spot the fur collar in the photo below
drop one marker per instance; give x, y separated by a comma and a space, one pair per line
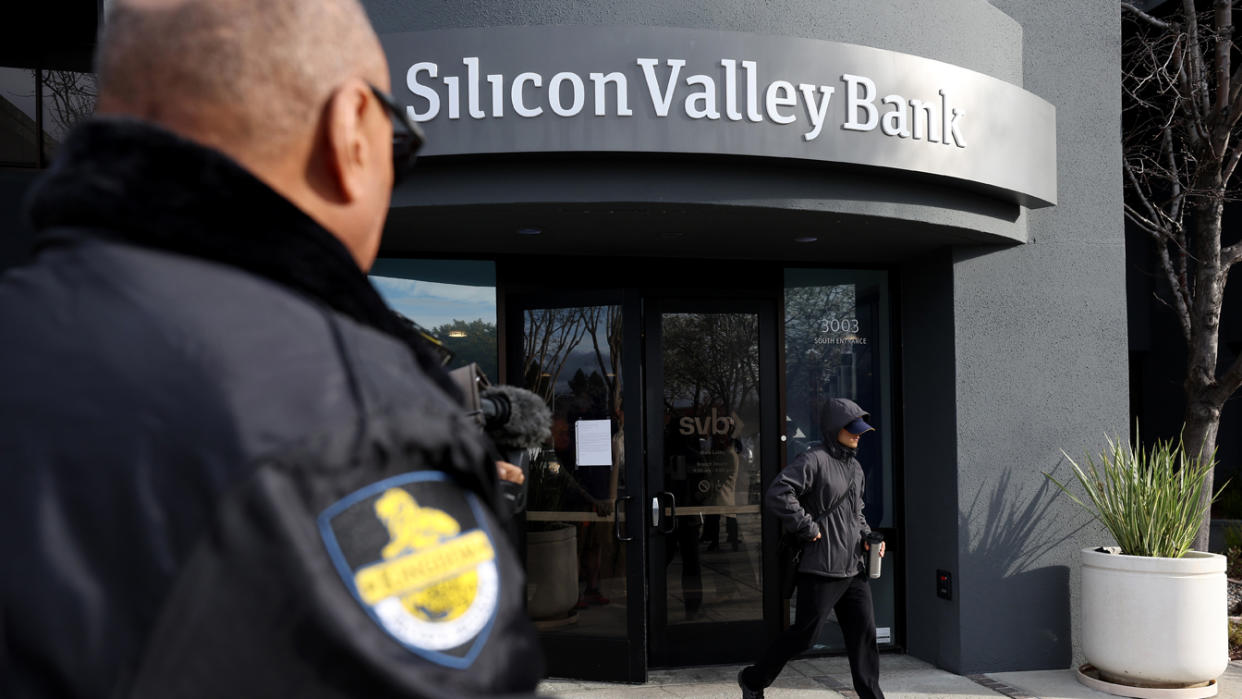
134, 182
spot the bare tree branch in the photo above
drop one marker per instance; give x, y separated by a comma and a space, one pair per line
1177, 284
1228, 384
1230, 256
1231, 161
1186, 102
1157, 23
1151, 227
1178, 200
1182, 106
1152, 215
1198, 71
1224, 45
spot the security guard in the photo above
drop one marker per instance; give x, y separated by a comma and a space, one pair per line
227, 470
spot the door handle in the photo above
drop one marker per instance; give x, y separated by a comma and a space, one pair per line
616, 517
662, 524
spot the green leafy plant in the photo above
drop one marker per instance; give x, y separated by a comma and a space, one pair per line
1147, 499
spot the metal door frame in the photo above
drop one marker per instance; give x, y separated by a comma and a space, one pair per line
602, 658
739, 641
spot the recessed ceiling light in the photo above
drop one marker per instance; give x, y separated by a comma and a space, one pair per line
806, 239
529, 230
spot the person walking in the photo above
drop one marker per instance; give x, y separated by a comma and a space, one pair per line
229, 470
819, 498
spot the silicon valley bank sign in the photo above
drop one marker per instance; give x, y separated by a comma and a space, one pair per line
664, 90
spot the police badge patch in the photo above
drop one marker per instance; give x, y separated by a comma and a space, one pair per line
416, 553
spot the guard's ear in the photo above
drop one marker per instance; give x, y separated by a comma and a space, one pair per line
349, 151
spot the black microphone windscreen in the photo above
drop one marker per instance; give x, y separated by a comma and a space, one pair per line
530, 420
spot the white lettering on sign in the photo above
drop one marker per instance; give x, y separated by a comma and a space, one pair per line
706, 425
930, 118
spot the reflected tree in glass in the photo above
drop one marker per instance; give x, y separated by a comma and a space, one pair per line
72, 96
470, 342
710, 359
551, 334
69, 97
815, 357
610, 316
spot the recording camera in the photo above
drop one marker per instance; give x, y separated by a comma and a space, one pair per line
515, 419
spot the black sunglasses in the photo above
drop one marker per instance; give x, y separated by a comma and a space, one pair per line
407, 137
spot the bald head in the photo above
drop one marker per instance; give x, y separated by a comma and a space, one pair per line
246, 76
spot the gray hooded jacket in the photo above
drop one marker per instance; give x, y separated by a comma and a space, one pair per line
804, 494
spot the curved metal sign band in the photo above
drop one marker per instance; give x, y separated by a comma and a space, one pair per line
666, 90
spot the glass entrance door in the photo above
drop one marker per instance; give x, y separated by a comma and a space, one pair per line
644, 506
710, 409
582, 529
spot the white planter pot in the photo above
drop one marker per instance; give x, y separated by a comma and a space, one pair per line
1155, 621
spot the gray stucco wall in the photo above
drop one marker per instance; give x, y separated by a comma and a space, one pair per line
1041, 362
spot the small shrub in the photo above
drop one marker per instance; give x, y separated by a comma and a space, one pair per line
1235, 640
1147, 499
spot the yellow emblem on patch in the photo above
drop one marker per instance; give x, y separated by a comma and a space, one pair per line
427, 564
417, 553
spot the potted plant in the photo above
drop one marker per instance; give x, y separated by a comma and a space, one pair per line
551, 546
1153, 611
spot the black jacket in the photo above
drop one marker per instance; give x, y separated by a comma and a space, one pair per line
227, 471
805, 497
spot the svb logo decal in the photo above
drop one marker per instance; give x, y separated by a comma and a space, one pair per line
415, 552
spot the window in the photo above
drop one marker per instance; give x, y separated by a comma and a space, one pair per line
452, 301
38, 109
19, 119
837, 345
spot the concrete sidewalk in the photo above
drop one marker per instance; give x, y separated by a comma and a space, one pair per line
901, 676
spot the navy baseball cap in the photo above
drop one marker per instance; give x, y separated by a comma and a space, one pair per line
858, 426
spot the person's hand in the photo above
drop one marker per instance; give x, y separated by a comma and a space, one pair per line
508, 472
867, 547
817, 537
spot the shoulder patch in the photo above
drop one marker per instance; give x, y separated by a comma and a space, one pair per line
416, 553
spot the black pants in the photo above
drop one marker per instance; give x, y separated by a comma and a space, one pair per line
851, 598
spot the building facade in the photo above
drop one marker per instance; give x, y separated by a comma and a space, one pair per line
729, 270
686, 224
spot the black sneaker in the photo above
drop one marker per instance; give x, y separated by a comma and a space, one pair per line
747, 692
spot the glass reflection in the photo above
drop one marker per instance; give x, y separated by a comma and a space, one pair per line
452, 302
30, 135
711, 440
69, 98
837, 345
19, 135
576, 568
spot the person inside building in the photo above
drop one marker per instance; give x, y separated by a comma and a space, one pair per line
819, 497
228, 470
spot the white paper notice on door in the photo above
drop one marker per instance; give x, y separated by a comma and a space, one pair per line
594, 442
